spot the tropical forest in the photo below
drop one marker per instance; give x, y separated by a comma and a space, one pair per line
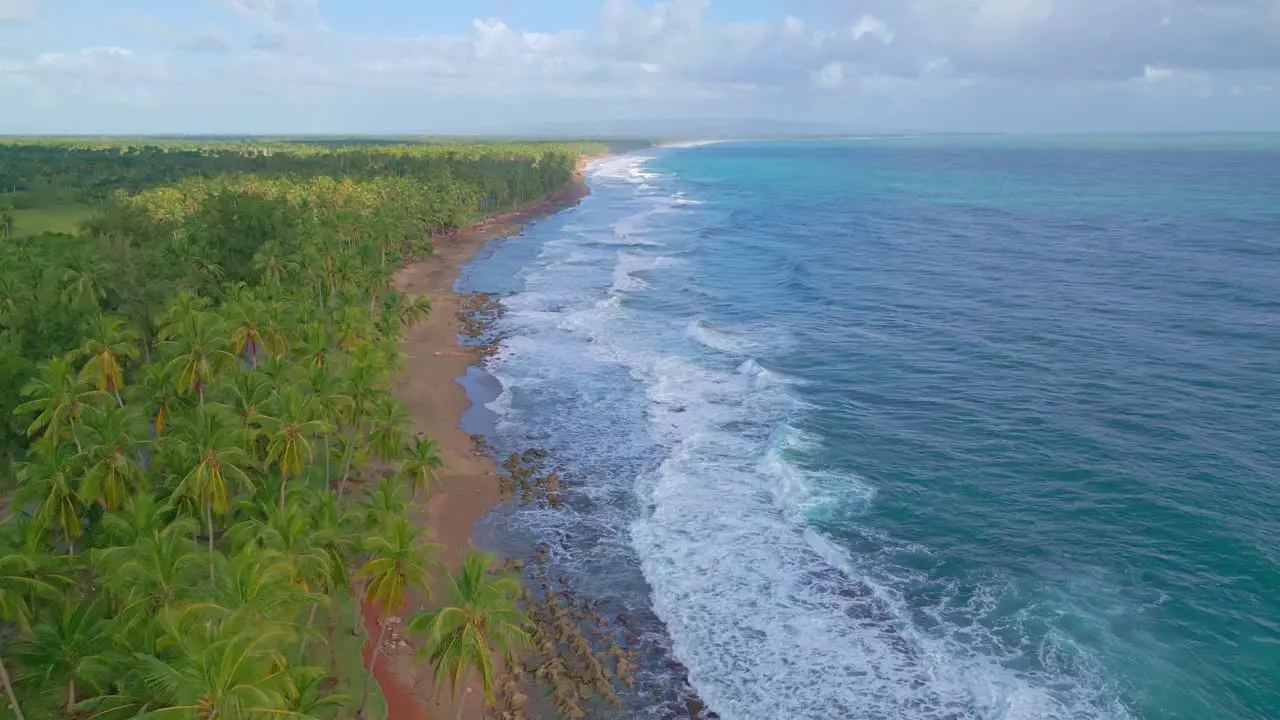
205, 474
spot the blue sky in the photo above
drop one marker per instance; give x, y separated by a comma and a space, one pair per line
380, 66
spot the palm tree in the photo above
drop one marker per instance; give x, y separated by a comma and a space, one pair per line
296, 536
219, 672
304, 695
59, 397
111, 342
329, 402
399, 562
246, 327
272, 265
48, 479
384, 503
317, 344
6, 219
339, 535
57, 649
15, 298
136, 520
413, 310
419, 462
249, 396
158, 392
479, 616
112, 470
388, 420
80, 286
276, 318
289, 436
364, 385
20, 582
215, 443
353, 327
255, 586
157, 568
183, 307
278, 372
199, 351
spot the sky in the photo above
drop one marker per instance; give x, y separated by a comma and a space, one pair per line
459, 66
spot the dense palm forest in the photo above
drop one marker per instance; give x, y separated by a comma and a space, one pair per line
203, 463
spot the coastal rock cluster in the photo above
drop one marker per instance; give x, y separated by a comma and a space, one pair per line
478, 314
579, 662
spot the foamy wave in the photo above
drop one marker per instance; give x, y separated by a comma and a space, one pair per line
773, 620
691, 144
629, 263
725, 341
764, 376
630, 227
626, 167
770, 628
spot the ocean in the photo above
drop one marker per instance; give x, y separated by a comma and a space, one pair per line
911, 428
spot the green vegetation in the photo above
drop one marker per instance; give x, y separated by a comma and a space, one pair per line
193, 393
62, 219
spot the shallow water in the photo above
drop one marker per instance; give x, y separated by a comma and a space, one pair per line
916, 428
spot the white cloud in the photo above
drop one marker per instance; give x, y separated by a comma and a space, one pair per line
830, 76
1162, 78
211, 40
1159, 74
15, 10
793, 27
869, 25
675, 57
272, 12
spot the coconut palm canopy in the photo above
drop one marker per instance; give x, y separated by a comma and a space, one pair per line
187, 387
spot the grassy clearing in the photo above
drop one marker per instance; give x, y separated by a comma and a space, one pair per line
342, 652
55, 218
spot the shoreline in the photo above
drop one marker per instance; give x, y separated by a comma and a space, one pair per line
468, 483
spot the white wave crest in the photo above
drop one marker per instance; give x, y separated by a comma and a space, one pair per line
725, 341
629, 263
772, 619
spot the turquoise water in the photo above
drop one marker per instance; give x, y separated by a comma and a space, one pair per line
914, 429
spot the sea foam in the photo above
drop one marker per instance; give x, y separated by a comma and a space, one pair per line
692, 464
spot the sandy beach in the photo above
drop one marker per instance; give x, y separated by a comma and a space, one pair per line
468, 485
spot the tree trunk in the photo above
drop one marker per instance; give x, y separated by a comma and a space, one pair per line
71, 696
208, 518
8, 690
373, 660
355, 616
326, 461
306, 635
284, 483
462, 703
346, 464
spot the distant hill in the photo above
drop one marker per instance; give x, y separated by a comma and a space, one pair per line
675, 129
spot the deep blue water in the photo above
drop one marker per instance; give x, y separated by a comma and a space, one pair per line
906, 429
